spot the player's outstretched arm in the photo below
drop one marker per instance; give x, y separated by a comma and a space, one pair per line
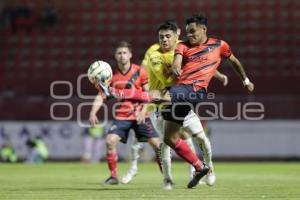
132, 94
176, 66
221, 77
236, 64
128, 94
95, 108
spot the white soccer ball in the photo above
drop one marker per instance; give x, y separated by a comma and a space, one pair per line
99, 71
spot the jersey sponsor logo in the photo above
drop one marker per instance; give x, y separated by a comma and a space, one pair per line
197, 59
156, 63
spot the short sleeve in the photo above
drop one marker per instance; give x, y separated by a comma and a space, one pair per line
143, 76
180, 48
225, 49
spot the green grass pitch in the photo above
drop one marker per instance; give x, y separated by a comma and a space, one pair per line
273, 180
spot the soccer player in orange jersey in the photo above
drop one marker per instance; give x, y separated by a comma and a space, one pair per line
126, 76
196, 61
158, 59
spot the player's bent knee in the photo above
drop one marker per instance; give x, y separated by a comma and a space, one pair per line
112, 140
184, 135
169, 142
154, 142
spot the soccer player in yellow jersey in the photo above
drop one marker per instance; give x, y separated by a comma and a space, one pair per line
158, 60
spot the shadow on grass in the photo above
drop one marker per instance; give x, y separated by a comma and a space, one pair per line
101, 188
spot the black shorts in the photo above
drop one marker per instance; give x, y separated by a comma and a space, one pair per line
143, 132
183, 99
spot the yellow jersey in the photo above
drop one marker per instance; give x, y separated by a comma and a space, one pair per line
158, 65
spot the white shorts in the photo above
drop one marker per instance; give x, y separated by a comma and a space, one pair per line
191, 123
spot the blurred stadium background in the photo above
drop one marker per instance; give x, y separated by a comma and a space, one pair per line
46, 41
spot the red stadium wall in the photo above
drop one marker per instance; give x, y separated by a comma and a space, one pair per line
264, 35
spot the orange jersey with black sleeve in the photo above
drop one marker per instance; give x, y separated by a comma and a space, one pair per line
134, 78
200, 62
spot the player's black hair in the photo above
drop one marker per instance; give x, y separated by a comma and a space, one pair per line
124, 44
168, 25
197, 18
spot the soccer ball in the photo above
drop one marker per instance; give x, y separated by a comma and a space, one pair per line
99, 71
